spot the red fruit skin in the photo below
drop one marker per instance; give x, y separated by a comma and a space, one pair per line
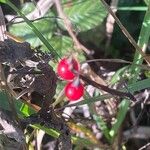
65, 69
74, 93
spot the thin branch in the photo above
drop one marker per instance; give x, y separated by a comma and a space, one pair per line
41, 9
110, 23
126, 33
2, 26
107, 89
78, 45
145, 146
141, 132
69, 27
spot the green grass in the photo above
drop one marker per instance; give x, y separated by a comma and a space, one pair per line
133, 84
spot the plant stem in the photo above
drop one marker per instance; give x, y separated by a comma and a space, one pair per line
135, 70
142, 42
34, 29
125, 32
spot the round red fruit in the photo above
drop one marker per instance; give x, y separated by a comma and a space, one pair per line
67, 67
74, 92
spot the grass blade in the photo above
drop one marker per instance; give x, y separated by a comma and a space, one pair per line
34, 29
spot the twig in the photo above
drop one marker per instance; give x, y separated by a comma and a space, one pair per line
141, 132
2, 26
126, 33
78, 45
41, 9
110, 23
121, 61
39, 138
87, 71
145, 146
69, 28
107, 89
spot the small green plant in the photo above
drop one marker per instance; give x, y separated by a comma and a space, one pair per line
52, 36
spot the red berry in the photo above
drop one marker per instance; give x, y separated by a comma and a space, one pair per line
74, 92
66, 68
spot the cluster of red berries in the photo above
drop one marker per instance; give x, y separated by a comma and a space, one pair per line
68, 69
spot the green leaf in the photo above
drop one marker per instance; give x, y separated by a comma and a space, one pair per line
85, 14
133, 8
98, 119
91, 100
34, 29
140, 85
124, 105
147, 1
76, 140
102, 125
135, 70
27, 8
49, 131
120, 117
63, 44
3, 101
118, 75
5, 105
26, 110
3, 1
45, 26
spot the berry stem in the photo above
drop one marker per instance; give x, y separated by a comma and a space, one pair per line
76, 82
107, 89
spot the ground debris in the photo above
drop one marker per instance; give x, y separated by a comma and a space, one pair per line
28, 71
